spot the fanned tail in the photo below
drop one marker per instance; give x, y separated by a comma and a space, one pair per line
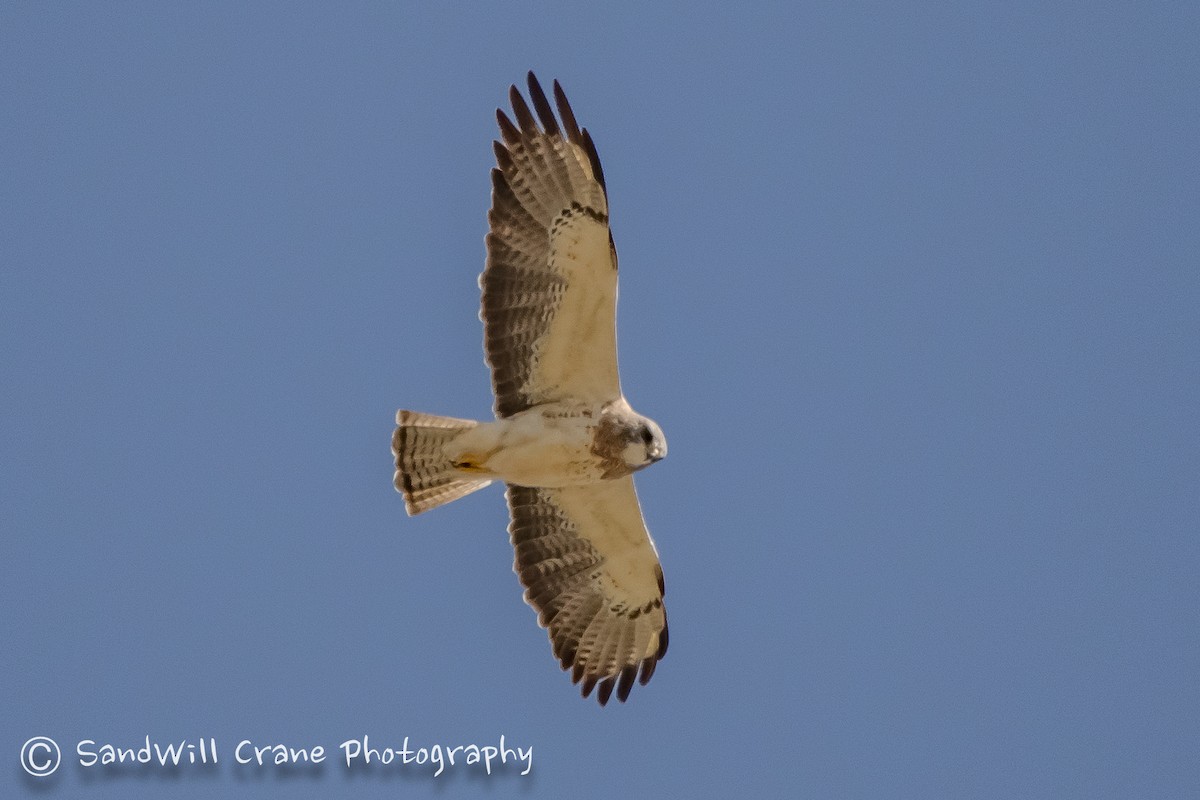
424, 474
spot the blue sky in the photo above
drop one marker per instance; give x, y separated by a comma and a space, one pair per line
912, 291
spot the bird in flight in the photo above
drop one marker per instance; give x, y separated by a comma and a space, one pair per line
564, 440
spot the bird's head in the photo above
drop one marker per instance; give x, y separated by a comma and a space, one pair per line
645, 443
625, 441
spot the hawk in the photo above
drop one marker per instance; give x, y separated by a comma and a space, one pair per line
564, 439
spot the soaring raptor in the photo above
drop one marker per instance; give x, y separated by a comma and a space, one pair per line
564, 439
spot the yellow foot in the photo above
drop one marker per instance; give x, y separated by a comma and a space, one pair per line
469, 463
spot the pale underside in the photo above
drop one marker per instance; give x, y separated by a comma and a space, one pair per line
533, 448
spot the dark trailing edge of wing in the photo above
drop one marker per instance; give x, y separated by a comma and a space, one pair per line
400, 445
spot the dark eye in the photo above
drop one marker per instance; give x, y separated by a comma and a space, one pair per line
647, 436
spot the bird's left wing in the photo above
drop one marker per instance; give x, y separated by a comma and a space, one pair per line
550, 285
591, 572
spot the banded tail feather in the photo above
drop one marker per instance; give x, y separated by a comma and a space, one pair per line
424, 474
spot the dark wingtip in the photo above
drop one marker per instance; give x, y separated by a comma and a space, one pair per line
567, 657
605, 692
503, 157
648, 666
564, 111
626, 683
585, 141
541, 105
507, 129
524, 115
